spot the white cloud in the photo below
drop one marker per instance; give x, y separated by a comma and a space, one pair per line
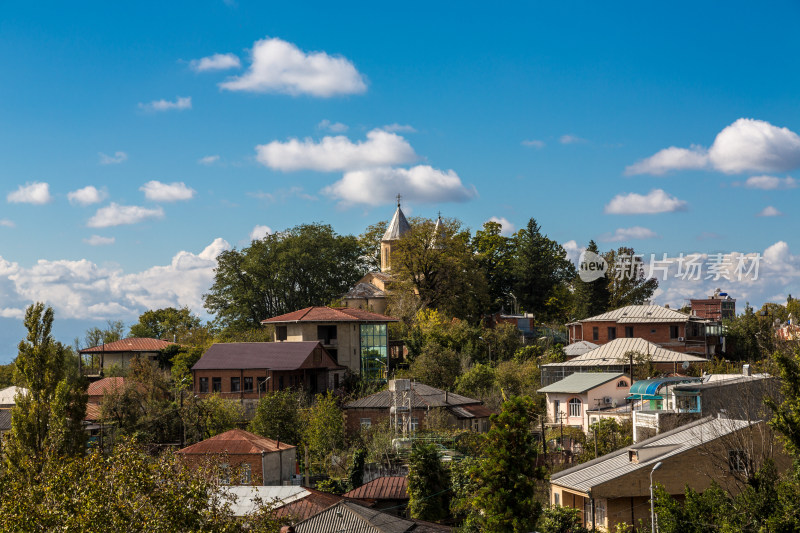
629, 234
179, 104
656, 201
281, 67
208, 160
769, 211
259, 232
573, 251
335, 127
570, 139
533, 143
118, 215
83, 290
115, 159
376, 186
87, 196
6, 223
167, 192
399, 128
671, 158
770, 183
336, 153
97, 240
36, 193
507, 228
215, 62
747, 145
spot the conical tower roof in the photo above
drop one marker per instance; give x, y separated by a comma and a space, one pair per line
398, 226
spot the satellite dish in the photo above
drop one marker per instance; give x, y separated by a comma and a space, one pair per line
685, 365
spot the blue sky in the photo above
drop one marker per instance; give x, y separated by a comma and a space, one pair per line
555, 111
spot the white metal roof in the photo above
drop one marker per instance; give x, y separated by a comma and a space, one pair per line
581, 382
579, 348
617, 464
614, 353
246, 497
397, 227
639, 314
7, 395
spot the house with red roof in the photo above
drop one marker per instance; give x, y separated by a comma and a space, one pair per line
355, 338
385, 493
122, 352
244, 458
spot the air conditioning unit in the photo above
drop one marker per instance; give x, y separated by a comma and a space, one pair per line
681, 339
607, 400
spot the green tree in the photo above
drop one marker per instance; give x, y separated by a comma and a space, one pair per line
508, 474
560, 519
95, 336
306, 265
608, 435
355, 474
591, 297
206, 417
494, 254
278, 417
628, 283
324, 430
428, 484
437, 366
749, 336
164, 323
370, 242
541, 271
48, 419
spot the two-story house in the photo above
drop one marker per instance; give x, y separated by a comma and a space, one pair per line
570, 399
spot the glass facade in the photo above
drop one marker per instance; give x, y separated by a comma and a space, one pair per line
374, 351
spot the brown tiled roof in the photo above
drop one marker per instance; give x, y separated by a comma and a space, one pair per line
382, 488
264, 355
235, 442
133, 344
93, 412
304, 508
102, 386
329, 314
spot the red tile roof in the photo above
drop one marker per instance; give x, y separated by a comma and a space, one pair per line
133, 344
304, 508
235, 442
93, 412
329, 314
382, 488
101, 387
265, 355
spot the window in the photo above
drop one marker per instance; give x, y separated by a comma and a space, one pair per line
216, 384
326, 334
414, 423
334, 353
224, 474
248, 384
280, 383
622, 383
336, 381
737, 460
374, 348
653, 331
280, 333
245, 474
612, 333
236, 385
595, 334
262, 384
575, 407
366, 423
556, 410
674, 332
557, 499
203, 384
629, 331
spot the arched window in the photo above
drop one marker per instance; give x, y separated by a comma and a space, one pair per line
622, 383
575, 407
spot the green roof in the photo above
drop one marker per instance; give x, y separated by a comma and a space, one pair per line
581, 382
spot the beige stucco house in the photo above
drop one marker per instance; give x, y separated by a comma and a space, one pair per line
569, 400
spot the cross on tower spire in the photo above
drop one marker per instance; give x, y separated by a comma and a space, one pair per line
398, 200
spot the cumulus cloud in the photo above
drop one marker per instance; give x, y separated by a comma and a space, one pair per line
770, 183
215, 62
156, 191
281, 67
259, 232
747, 145
97, 240
533, 143
6, 223
36, 193
769, 211
337, 153
570, 139
208, 160
115, 159
83, 290
506, 227
119, 215
376, 186
180, 104
335, 127
629, 234
87, 196
656, 201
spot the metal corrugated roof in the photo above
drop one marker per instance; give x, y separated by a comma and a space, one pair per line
306, 507
397, 227
649, 387
421, 396
382, 488
133, 344
352, 517
329, 314
247, 499
639, 314
617, 464
235, 442
581, 382
5, 419
264, 355
614, 353
579, 348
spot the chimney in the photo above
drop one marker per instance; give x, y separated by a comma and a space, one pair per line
746, 370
